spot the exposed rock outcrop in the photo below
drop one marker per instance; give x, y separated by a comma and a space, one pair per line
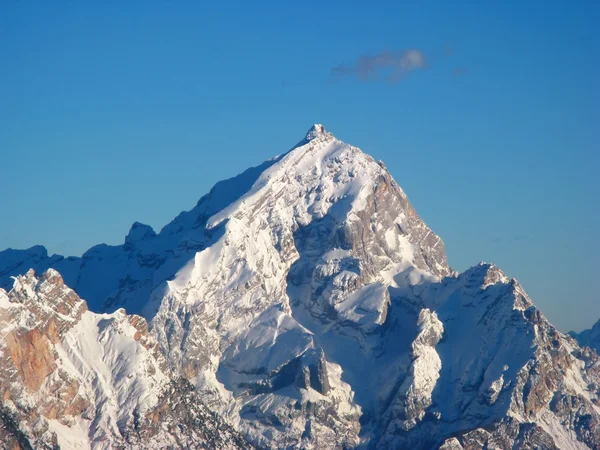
70, 378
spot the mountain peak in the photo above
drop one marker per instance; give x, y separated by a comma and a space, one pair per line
138, 232
322, 302
317, 131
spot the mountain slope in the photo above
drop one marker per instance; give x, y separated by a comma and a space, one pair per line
311, 307
109, 277
70, 378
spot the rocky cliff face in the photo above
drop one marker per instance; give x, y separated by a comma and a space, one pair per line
70, 378
309, 306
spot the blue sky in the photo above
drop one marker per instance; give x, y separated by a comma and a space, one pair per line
121, 111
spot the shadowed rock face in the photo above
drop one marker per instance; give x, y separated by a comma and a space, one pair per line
308, 305
589, 338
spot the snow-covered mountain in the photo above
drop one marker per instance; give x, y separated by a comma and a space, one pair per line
74, 379
311, 307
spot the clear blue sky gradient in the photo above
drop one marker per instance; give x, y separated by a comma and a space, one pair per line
115, 111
